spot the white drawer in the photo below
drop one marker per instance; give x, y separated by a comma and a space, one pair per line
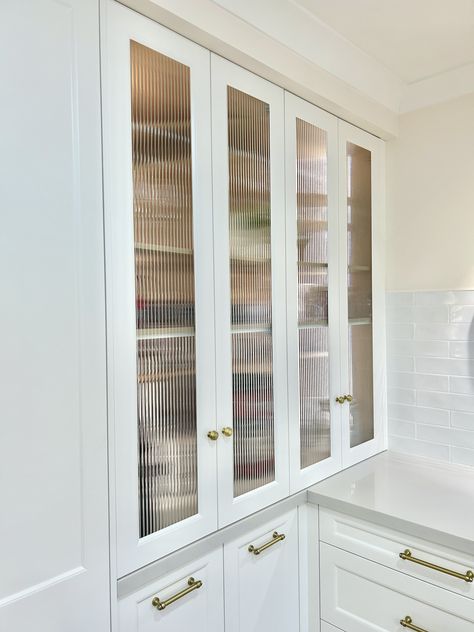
358, 595
200, 610
384, 546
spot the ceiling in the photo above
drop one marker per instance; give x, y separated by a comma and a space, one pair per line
415, 39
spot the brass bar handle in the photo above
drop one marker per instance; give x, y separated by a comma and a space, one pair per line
468, 576
407, 622
277, 537
193, 584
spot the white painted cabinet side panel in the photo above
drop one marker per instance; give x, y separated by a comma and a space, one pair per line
53, 452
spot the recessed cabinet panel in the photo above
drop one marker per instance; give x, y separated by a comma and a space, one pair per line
188, 598
159, 227
248, 172
262, 578
164, 288
359, 284
312, 300
251, 290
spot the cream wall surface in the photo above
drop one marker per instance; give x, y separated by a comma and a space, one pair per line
430, 199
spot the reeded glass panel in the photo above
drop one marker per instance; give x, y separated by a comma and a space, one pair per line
359, 257
164, 287
312, 248
251, 291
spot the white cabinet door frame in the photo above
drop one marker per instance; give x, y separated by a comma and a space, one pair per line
298, 108
121, 26
349, 133
226, 74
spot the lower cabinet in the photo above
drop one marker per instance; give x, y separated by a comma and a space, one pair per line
189, 598
261, 578
254, 578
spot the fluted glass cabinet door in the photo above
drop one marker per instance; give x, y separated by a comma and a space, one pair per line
362, 338
159, 227
312, 292
248, 172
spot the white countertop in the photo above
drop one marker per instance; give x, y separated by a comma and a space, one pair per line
425, 498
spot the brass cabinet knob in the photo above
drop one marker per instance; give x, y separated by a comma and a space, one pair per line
213, 435
227, 432
348, 398
340, 399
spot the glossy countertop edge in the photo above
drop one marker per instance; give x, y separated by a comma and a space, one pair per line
421, 497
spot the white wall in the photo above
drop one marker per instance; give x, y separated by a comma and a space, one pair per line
430, 199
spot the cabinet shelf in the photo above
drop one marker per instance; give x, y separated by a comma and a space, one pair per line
313, 323
359, 268
165, 332
360, 321
251, 329
168, 249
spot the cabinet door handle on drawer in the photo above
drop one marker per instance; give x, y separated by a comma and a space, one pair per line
468, 576
277, 537
408, 623
193, 584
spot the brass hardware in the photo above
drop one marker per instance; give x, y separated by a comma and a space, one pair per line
348, 398
277, 537
227, 432
468, 576
341, 399
213, 435
407, 623
193, 584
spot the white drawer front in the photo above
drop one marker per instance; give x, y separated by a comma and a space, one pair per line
261, 591
200, 610
358, 595
384, 546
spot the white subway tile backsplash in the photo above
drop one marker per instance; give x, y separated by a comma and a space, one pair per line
438, 331
420, 448
462, 456
400, 299
464, 349
464, 385
400, 428
436, 348
402, 364
430, 374
401, 395
404, 331
465, 421
445, 366
461, 314
432, 314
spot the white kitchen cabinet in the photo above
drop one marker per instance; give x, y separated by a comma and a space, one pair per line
188, 598
335, 293
313, 314
262, 578
243, 300
362, 295
357, 594
249, 237
158, 203
53, 450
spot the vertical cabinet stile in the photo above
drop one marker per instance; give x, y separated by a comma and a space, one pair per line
361, 216
249, 234
160, 286
312, 297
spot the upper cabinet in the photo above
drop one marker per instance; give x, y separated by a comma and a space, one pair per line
249, 236
244, 303
362, 336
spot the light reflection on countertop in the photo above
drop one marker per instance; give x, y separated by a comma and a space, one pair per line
428, 499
